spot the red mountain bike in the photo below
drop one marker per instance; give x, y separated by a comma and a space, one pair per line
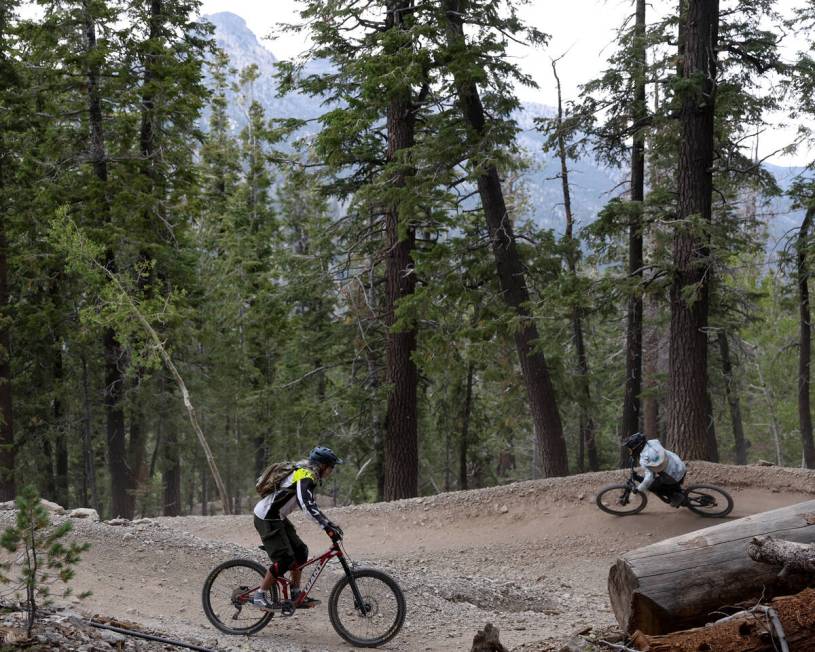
366, 607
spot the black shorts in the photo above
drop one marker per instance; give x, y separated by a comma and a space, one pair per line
280, 541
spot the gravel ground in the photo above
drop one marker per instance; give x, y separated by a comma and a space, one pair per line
530, 557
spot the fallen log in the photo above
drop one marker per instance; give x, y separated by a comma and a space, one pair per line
794, 557
677, 583
789, 622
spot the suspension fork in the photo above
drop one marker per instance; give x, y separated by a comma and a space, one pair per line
359, 603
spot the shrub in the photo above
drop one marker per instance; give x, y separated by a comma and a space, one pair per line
43, 556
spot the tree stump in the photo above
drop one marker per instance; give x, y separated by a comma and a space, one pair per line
487, 640
678, 583
758, 630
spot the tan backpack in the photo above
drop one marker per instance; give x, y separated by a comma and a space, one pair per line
273, 475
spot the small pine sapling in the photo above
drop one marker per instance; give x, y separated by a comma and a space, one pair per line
41, 552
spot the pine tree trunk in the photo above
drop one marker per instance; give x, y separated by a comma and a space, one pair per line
136, 446
89, 488
633, 337
587, 446
401, 442
713, 444
171, 475
464, 441
60, 440
687, 414
401, 447
511, 272
739, 441
650, 381
117, 450
8, 487
114, 359
805, 342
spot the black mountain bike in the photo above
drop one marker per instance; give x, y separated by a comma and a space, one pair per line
366, 606
703, 499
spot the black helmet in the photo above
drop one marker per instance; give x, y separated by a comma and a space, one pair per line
323, 455
635, 443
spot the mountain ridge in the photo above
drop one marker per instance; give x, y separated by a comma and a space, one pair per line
592, 185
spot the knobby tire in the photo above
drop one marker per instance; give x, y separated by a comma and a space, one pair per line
344, 616
709, 489
250, 569
618, 489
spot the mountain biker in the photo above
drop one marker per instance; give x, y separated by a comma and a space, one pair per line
664, 469
277, 533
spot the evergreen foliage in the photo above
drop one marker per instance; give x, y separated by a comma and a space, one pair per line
41, 552
354, 280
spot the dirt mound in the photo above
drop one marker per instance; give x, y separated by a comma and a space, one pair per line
531, 557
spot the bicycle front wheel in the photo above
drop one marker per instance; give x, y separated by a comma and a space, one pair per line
707, 500
380, 616
226, 594
618, 499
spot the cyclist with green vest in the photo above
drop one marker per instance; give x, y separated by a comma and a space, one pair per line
280, 540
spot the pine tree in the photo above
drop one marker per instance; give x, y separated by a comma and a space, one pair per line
463, 63
8, 86
687, 394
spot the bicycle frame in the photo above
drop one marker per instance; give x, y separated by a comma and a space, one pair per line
321, 561
334, 551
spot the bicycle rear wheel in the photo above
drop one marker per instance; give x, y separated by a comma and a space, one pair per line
380, 617
226, 594
707, 500
618, 499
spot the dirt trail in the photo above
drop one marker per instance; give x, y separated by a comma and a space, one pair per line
531, 557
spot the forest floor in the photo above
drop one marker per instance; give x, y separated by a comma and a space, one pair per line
530, 557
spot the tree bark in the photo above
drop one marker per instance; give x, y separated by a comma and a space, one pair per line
754, 630
713, 444
793, 557
677, 583
401, 446
8, 486
633, 337
511, 272
586, 422
687, 416
739, 441
650, 370
89, 488
171, 475
805, 342
464, 442
60, 439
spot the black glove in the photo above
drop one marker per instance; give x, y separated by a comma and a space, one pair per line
334, 532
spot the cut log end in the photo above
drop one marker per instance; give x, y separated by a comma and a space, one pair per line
678, 583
